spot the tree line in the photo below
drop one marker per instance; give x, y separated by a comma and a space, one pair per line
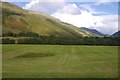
53, 40
19, 34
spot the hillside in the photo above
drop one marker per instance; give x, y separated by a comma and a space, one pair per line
93, 31
16, 20
117, 34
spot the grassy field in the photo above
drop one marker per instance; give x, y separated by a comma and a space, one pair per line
59, 61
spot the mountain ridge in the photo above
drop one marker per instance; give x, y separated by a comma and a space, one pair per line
116, 34
94, 31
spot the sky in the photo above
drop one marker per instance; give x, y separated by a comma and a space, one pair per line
97, 14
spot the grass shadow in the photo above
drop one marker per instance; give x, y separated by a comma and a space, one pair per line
35, 55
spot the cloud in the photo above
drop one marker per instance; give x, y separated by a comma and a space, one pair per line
105, 23
70, 9
90, 9
109, 23
48, 6
52, 6
87, 7
103, 2
81, 20
79, 15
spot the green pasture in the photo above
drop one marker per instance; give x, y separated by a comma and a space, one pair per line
59, 61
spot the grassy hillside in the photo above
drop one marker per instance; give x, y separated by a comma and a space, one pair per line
17, 20
55, 61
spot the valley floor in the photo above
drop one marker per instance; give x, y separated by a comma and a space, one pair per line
59, 61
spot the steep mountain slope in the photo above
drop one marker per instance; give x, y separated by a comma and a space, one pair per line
93, 31
17, 20
117, 34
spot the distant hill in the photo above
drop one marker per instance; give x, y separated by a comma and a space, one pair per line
93, 31
116, 34
17, 20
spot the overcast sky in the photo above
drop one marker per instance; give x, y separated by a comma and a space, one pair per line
99, 14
